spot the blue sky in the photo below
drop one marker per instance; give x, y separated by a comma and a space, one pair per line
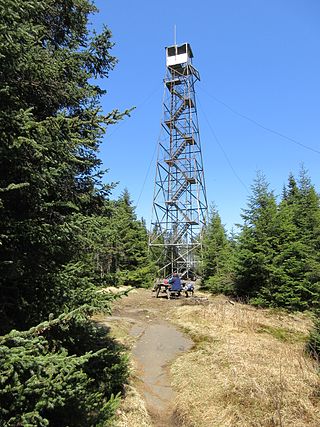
258, 59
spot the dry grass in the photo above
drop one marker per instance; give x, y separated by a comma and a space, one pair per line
132, 412
116, 290
248, 368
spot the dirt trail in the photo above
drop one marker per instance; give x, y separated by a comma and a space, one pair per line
157, 344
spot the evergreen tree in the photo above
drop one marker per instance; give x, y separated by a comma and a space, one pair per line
63, 372
51, 125
217, 256
257, 241
297, 262
277, 257
132, 265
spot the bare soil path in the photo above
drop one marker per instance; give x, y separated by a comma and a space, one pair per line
157, 343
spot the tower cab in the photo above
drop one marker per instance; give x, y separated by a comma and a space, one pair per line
177, 55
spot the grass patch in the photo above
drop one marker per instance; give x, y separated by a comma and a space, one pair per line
199, 339
119, 330
283, 334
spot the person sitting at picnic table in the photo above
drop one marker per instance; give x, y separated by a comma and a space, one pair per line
188, 287
175, 282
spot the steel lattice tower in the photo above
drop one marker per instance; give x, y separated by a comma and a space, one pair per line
179, 202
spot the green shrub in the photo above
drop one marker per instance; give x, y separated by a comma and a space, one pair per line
64, 372
313, 345
219, 284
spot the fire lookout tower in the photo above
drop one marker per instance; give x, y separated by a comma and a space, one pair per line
179, 202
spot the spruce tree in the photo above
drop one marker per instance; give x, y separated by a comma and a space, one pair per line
217, 256
133, 264
51, 127
257, 241
62, 372
277, 262
297, 263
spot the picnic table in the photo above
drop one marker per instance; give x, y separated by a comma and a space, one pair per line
165, 287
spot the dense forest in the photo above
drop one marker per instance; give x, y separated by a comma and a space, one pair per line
63, 237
